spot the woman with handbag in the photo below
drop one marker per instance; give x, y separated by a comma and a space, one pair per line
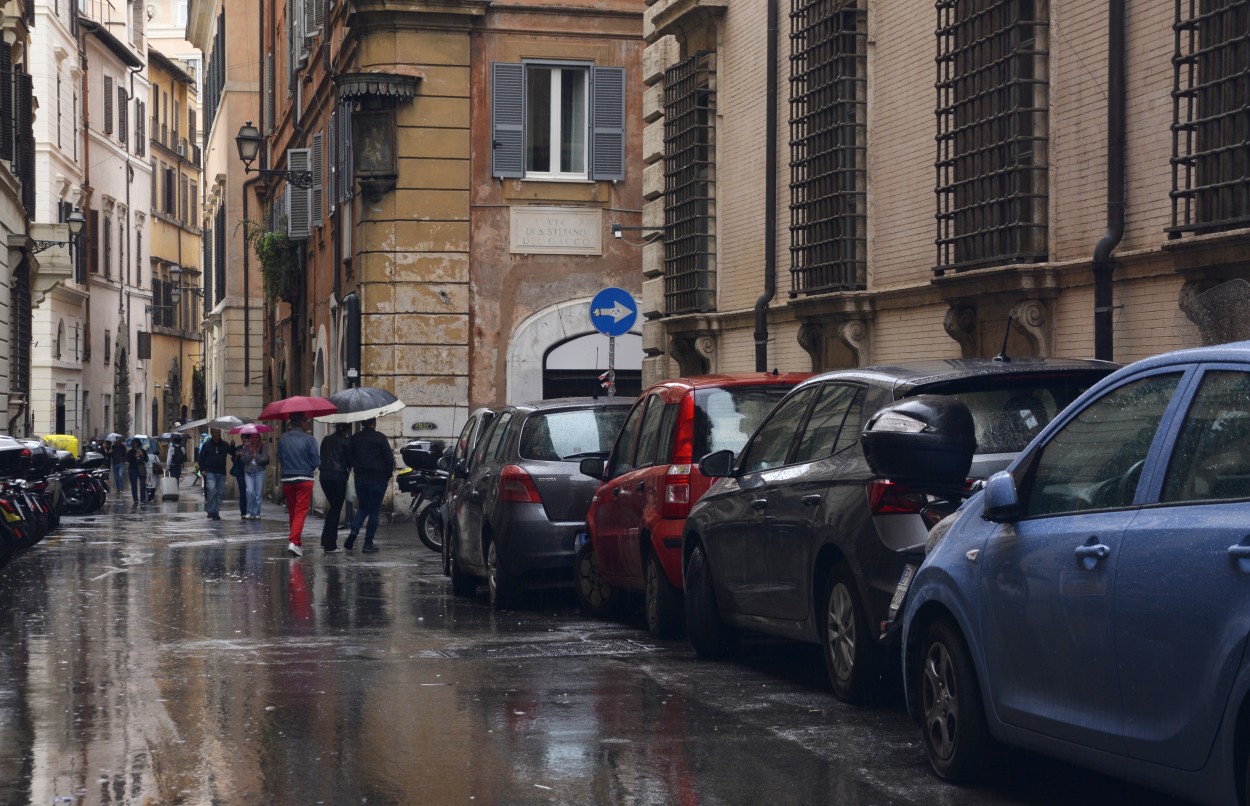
254, 457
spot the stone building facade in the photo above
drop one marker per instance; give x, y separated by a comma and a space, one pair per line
469, 237
941, 194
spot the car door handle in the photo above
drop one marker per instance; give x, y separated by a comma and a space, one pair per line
1091, 554
759, 504
811, 500
616, 492
1239, 552
642, 485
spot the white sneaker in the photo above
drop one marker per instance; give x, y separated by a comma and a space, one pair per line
294, 549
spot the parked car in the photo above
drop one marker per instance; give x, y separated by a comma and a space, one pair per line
634, 526
524, 500
458, 466
1093, 603
802, 540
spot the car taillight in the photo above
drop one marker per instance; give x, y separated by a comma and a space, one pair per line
516, 486
676, 492
683, 440
887, 497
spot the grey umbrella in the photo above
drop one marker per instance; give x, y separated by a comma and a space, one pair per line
362, 403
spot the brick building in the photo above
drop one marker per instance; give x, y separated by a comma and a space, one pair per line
942, 169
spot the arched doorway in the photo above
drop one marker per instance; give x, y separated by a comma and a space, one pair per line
535, 337
573, 368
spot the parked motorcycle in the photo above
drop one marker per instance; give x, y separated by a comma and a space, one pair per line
427, 485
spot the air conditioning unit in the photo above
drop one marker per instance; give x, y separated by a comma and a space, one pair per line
182, 148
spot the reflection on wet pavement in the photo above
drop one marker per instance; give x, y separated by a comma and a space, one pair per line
162, 658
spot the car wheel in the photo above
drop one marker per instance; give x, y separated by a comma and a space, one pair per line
851, 656
662, 602
461, 583
502, 585
596, 597
709, 635
956, 737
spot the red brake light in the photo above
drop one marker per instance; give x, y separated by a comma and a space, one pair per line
516, 486
25, 453
683, 441
676, 492
887, 497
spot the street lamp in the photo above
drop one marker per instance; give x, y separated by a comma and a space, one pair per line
74, 222
249, 141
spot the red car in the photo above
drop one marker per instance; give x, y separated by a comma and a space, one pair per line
650, 481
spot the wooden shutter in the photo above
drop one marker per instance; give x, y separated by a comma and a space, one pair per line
93, 241
318, 172
508, 120
24, 100
108, 104
332, 184
607, 132
123, 115
141, 128
347, 170
6, 101
299, 200
269, 93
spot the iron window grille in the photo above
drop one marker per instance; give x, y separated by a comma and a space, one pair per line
991, 140
689, 185
828, 142
1210, 117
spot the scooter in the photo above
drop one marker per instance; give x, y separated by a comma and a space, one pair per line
427, 488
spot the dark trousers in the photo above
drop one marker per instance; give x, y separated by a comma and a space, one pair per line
336, 491
240, 480
369, 496
136, 486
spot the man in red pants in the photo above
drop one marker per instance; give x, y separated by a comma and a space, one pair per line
299, 458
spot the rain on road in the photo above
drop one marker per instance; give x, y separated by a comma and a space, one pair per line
153, 656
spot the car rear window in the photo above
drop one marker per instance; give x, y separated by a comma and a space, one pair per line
725, 418
572, 434
1008, 411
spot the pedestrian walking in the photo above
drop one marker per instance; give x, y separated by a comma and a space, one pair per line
177, 457
240, 480
212, 462
137, 463
152, 476
336, 464
299, 457
373, 462
255, 458
117, 453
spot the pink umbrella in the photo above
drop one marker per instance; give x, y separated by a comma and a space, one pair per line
284, 408
247, 429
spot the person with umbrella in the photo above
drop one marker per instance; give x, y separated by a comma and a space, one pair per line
374, 462
137, 459
336, 464
300, 458
212, 462
255, 457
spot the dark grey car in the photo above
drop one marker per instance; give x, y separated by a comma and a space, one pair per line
801, 540
458, 467
523, 500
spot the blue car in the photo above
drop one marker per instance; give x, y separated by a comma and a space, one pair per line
1092, 603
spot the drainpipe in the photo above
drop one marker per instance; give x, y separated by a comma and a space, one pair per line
1104, 263
770, 198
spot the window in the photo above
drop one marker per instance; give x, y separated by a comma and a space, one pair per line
498, 436
108, 104
1210, 122
1211, 461
650, 452
831, 417
622, 459
1096, 460
689, 186
724, 419
573, 434
59, 346
107, 256
108, 354
558, 121
772, 442
123, 115
991, 138
828, 142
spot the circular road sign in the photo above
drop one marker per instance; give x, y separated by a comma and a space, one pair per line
613, 311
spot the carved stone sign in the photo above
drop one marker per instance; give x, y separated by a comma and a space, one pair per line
556, 231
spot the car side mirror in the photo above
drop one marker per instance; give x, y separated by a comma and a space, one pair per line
1002, 501
925, 441
717, 464
592, 466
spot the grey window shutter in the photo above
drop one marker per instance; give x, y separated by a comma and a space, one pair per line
108, 104
299, 200
332, 146
607, 135
6, 102
123, 115
318, 172
508, 120
269, 93
347, 169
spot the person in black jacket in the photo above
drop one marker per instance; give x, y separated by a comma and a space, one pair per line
212, 461
336, 464
373, 462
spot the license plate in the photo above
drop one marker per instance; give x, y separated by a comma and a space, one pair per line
900, 590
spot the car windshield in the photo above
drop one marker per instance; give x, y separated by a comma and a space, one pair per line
726, 418
1008, 411
557, 435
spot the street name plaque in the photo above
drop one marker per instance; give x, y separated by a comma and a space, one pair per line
556, 231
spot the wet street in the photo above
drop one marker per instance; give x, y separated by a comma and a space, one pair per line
155, 657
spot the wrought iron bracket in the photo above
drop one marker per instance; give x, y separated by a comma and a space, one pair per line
300, 179
41, 246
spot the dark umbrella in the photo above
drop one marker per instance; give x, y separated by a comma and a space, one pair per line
362, 403
284, 408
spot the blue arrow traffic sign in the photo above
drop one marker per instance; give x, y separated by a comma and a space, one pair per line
613, 311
